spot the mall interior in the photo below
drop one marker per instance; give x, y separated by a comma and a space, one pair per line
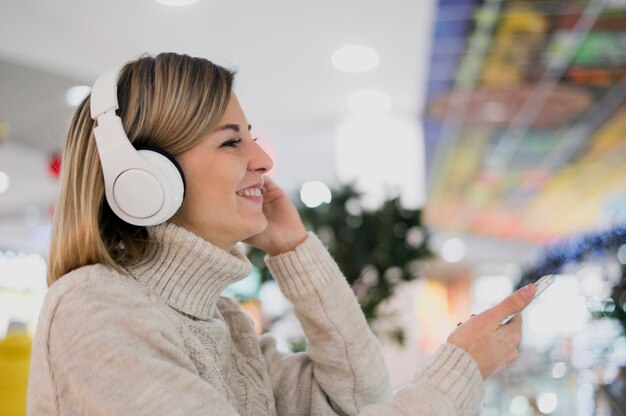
447, 152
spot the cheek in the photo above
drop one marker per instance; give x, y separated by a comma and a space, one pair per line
211, 184
201, 197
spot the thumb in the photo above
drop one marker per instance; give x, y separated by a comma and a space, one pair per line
515, 302
271, 190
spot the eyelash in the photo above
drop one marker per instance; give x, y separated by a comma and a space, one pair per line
234, 142
231, 143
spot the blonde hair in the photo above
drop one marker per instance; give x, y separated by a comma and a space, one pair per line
170, 102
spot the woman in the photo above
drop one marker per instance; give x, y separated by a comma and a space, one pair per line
133, 322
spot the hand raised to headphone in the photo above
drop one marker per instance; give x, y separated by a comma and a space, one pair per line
285, 230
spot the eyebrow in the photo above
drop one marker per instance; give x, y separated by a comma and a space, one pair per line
235, 127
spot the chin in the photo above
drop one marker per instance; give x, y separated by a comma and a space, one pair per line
257, 228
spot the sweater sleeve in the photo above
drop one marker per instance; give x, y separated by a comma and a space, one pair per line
343, 371
109, 351
450, 385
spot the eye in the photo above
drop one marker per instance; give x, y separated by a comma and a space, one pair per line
231, 143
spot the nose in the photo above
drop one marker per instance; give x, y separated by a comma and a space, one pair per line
260, 161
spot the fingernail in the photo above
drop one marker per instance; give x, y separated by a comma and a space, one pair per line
527, 291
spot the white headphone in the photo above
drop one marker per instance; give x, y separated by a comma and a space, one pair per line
143, 187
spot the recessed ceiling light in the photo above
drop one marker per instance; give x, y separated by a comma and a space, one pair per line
176, 2
369, 102
75, 95
4, 182
355, 58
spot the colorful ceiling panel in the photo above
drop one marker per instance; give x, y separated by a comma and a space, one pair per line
526, 118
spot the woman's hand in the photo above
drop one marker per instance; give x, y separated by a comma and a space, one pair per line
284, 229
490, 344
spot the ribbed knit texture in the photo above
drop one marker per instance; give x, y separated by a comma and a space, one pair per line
187, 273
449, 372
294, 269
160, 341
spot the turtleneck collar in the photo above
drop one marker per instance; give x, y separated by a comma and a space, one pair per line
188, 272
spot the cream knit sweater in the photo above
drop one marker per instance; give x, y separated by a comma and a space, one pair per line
163, 342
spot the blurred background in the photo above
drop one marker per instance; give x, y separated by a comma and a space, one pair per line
446, 151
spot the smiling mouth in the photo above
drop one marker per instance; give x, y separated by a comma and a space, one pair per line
250, 192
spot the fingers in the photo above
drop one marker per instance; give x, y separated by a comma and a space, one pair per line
461, 323
268, 183
515, 302
271, 190
513, 336
513, 328
515, 323
267, 180
513, 351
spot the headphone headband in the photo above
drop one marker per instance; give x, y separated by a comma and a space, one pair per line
104, 93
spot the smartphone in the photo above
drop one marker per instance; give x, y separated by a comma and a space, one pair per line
542, 284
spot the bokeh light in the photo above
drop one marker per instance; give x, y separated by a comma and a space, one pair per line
547, 403
453, 250
315, 193
5, 182
76, 94
355, 58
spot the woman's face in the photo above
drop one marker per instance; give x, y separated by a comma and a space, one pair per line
224, 174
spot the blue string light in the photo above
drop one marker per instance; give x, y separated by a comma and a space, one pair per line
575, 249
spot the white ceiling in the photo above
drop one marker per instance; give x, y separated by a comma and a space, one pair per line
281, 49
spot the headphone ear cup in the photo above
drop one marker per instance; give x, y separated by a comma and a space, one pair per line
170, 158
174, 186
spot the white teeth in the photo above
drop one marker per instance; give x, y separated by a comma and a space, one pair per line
250, 192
